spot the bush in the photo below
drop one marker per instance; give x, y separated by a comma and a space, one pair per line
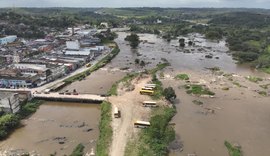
78, 151
233, 151
254, 79
198, 90
7, 123
159, 134
169, 94
182, 77
29, 108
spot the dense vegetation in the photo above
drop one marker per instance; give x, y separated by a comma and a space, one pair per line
105, 129
133, 39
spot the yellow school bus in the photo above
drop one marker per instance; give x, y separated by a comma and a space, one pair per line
88, 65
146, 92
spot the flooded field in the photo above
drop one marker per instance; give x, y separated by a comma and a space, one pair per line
57, 127
243, 116
240, 116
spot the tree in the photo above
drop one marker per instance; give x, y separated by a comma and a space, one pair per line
190, 43
133, 40
182, 42
169, 94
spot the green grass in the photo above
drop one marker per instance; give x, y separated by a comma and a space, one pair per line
158, 68
254, 79
158, 91
198, 90
155, 139
105, 136
126, 79
181, 77
78, 150
266, 70
233, 151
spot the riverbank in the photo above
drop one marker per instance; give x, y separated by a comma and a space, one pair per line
129, 101
9, 122
95, 67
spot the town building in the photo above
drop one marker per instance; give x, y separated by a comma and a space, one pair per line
8, 39
9, 102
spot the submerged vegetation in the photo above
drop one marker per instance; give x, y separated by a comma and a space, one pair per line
78, 150
233, 151
198, 90
254, 79
182, 77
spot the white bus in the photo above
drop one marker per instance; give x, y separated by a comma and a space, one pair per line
150, 104
146, 88
116, 113
150, 86
141, 124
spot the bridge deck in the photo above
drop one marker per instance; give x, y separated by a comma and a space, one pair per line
78, 98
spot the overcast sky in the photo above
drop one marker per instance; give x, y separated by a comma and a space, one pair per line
136, 3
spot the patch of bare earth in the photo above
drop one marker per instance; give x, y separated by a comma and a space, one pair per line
130, 105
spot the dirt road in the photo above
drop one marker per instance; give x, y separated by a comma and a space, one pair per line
129, 103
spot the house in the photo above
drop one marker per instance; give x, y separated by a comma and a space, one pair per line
73, 45
78, 53
8, 39
21, 81
104, 24
9, 102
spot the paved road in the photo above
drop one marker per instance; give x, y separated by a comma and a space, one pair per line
75, 97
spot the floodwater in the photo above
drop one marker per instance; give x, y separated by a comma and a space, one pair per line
241, 117
55, 122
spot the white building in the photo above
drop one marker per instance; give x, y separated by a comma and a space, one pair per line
73, 45
104, 24
9, 102
8, 39
81, 53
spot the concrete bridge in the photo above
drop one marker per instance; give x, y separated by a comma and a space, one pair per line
53, 96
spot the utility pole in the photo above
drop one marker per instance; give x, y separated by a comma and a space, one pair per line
10, 106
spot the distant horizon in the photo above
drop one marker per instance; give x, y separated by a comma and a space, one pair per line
139, 7
249, 4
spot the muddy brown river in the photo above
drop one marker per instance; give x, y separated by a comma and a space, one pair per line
59, 127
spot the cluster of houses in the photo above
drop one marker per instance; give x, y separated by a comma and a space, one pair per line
32, 63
